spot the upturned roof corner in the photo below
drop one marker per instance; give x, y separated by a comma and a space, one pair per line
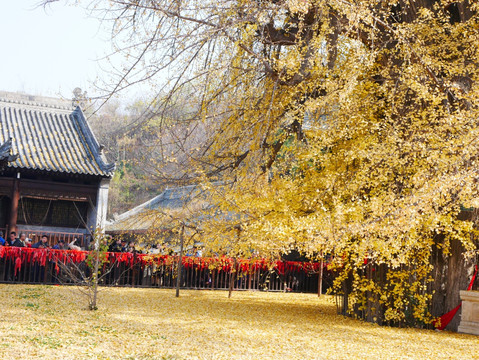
6, 155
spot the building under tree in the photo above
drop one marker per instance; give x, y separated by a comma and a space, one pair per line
54, 177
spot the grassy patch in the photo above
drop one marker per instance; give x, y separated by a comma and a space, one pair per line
153, 324
45, 341
32, 305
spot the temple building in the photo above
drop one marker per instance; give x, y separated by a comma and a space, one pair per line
161, 214
54, 178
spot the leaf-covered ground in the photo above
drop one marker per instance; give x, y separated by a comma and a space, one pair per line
41, 322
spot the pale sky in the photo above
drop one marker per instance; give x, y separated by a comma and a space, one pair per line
49, 52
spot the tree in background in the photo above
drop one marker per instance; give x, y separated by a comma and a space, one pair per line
346, 128
151, 151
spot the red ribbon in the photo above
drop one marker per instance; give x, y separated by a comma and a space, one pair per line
445, 319
40, 256
18, 265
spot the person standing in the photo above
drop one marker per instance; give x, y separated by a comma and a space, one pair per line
115, 246
11, 238
39, 268
60, 245
2, 240
42, 244
17, 242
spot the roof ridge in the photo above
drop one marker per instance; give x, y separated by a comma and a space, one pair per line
50, 136
90, 138
35, 100
137, 209
162, 196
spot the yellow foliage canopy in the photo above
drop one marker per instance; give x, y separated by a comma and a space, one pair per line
341, 127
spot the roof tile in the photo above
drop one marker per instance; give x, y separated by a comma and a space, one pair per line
50, 137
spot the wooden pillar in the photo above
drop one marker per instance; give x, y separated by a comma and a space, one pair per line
12, 224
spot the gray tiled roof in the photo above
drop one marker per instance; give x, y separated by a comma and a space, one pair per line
187, 202
50, 135
191, 205
151, 213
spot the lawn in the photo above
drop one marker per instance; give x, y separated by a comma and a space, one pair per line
50, 322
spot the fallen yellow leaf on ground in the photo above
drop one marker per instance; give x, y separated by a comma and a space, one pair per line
45, 322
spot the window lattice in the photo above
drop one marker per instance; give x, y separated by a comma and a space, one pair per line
52, 213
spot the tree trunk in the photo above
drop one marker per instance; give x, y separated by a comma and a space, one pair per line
180, 260
320, 276
232, 278
451, 274
95, 277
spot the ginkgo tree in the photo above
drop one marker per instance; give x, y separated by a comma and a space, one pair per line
346, 128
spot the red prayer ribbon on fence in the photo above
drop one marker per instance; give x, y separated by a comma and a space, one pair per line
40, 256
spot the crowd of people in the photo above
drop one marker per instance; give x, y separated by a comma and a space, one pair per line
43, 243
116, 245
121, 245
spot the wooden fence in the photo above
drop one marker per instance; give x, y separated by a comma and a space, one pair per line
48, 266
